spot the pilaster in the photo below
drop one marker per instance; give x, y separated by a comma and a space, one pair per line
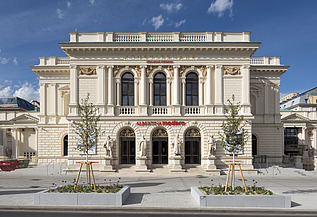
101, 103
219, 90
73, 110
245, 72
110, 105
176, 102
209, 106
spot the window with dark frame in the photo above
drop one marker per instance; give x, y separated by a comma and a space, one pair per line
159, 89
127, 89
192, 89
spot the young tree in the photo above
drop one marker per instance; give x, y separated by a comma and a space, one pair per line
87, 128
234, 136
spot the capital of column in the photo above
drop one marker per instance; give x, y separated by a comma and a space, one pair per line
73, 66
151, 80
118, 81
210, 66
101, 67
183, 81
176, 66
218, 66
143, 66
245, 66
110, 66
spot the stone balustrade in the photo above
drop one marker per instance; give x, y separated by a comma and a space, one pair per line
265, 61
53, 61
160, 37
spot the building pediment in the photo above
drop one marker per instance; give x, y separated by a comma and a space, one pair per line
25, 118
295, 118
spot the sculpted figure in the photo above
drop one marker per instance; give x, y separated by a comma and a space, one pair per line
177, 145
211, 146
108, 145
142, 146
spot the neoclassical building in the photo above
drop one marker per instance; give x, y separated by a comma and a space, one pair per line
161, 96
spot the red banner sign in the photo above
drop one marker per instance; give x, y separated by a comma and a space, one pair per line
142, 123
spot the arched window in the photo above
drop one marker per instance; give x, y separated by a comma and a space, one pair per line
192, 89
127, 142
192, 146
127, 91
160, 89
65, 146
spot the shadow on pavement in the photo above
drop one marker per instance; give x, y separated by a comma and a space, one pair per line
145, 184
134, 198
20, 192
294, 204
300, 191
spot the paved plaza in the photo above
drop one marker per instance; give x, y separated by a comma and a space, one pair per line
158, 189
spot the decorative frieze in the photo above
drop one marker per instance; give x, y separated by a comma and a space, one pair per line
87, 71
232, 71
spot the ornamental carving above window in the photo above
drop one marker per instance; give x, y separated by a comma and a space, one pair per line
232, 71
160, 133
87, 71
192, 133
127, 133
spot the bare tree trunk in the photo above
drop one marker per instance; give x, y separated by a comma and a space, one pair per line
87, 167
233, 174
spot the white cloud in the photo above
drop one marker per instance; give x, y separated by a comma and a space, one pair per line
157, 22
180, 23
92, 2
144, 21
60, 13
7, 91
220, 6
69, 4
28, 92
15, 61
171, 7
4, 60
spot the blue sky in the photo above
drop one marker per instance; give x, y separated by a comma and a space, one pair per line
33, 28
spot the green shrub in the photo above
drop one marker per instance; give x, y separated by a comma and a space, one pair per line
86, 189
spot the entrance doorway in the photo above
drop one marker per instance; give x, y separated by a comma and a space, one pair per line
160, 147
192, 146
127, 141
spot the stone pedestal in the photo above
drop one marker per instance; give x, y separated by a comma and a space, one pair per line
211, 167
176, 110
110, 110
141, 164
219, 109
175, 164
298, 162
143, 110
209, 109
108, 165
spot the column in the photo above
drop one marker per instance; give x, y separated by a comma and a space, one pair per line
118, 91
110, 105
42, 102
176, 103
168, 92
245, 72
151, 92
209, 106
277, 115
208, 86
266, 102
110, 86
184, 92
54, 102
101, 103
73, 90
35, 159
136, 92
201, 92
143, 92
143, 86
219, 89
176, 86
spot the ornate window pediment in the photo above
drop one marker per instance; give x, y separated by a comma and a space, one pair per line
160, 133
127, 133
192, 133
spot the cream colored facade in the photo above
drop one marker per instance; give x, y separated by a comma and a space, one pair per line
223, 64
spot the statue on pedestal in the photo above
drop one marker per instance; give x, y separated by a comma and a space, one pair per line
108, 145
177, 145
142, 146
212, 146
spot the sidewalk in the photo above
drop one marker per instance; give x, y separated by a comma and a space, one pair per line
156, 190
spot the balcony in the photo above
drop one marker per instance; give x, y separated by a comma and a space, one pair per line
160, 110
193, 110
127, 110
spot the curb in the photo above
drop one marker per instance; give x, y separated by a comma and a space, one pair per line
101, 209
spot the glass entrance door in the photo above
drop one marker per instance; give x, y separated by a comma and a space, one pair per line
192, 152
160, 150
127, 151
